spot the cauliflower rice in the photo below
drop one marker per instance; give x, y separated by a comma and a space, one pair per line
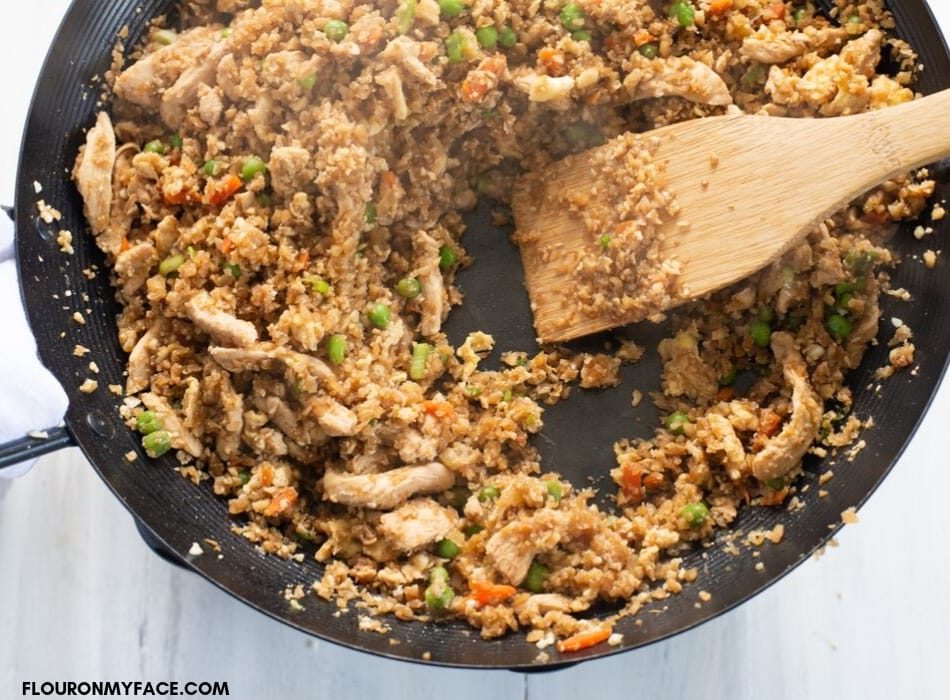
278, 187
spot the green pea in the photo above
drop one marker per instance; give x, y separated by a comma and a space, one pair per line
458, 496
252, 167
767, 314
213, 168
170, 265
728, 377
148, 422
409, 288
244, 475
235, 270
438, 595
676, 422
336, 30
582, 35
761, 333
447, 257
450, 8
156, 444
487, 37
648, 50
776, 484
488, 493
308, 81
799, 14
420, 357
336, 348
446, 548
508, 37
838, 326
453, 48
471, 530
379, 316
695, 514
554, 490
155, 146
536, 576
175, 141
572, 17
683, 12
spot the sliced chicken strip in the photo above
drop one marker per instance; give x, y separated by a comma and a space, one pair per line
677, 76
140, 359
222, 326
417, 523
93, 173
386, 490
184, 93
785, 450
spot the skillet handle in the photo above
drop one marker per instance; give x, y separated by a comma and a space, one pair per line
30, 447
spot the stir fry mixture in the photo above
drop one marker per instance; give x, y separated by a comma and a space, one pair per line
278, 188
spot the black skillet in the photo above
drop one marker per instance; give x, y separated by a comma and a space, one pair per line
578, 435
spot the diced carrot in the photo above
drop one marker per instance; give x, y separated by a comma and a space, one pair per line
223, 189
653, 480
769, 423
717, 7
267, 474
439, 409
227, 245
182, 196
484, 593
585, 639
281, 502
778, 9
389, 178
726, 393
642, 36
303, 257
125, 245
552, 61
775, 498
631, 483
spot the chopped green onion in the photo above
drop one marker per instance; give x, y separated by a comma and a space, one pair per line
308, 81
605, 242
453, 47
488, 493
729, 377
777, 484
148, 422
446, 548
420, 356
838, 326
165, 36
648, 50
761, 333
508, 37
156, 444
405, 16
439, 593
154, 146
450, 8
676, 421
508, 395
317, 284
554, 490
234, 269
582, 35
175, 141
472, 529
370, 213
408, 287
379, 316
487, 37
683, 12
336, 30
213, 168
572, 17
535, 578
170, 265
695, 514
252, 167
336, 348
447, 257
244, 475
227, 32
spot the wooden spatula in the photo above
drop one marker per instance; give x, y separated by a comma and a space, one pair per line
749, 187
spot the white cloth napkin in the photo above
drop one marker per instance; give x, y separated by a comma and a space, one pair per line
30, 397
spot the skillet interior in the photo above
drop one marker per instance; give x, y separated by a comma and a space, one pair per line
578, 435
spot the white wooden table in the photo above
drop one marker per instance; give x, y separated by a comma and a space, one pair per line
82, 598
